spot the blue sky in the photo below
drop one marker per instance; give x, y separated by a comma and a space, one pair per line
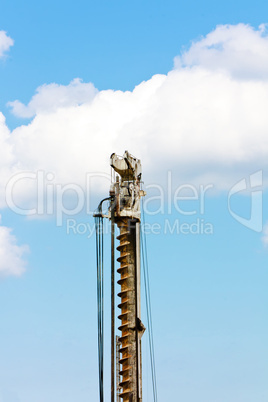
67, 101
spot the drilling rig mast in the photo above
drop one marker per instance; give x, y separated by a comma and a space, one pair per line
125, 196
124, 211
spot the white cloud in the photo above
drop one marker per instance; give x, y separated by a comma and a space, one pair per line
51, 97
5, 43
11, 255
7, 157
265, 235
238, 50
206, 120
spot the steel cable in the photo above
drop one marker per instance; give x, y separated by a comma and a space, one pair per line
100, 290
148, 306
99, 256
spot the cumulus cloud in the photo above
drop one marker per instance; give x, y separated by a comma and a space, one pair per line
206, 120
6, 156
12, 261
5, 43
265, 235
49, 98
238, 50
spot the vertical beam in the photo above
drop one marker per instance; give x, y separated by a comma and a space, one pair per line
138, 312
138, 268
112, 303
128, 314
136, 275
131, 325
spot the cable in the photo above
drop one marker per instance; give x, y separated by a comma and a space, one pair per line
100, 289
99, 256
148, 307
